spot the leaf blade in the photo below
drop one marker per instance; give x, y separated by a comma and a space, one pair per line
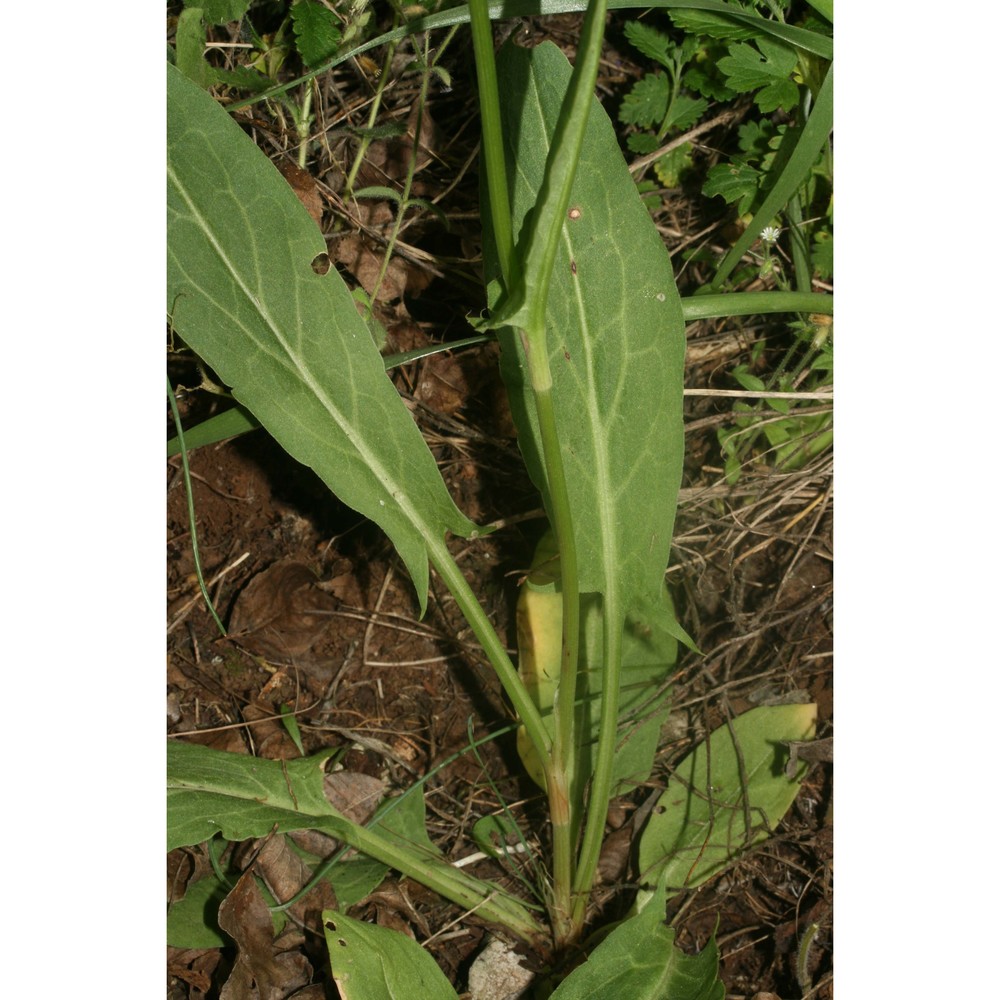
243, 294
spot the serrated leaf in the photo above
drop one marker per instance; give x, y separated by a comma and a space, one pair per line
735, 181
822, 256
699, 825
640, 960
767, 66
375, 963
646, 103
243, 294
755, 137
671, 166
684, 112
641, 142
706, 22
707, 82
651, 43
221, 11
317, 31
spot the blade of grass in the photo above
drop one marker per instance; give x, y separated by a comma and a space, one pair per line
814, 134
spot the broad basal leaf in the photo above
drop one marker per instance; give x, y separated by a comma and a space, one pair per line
289, 341
640, 961
724, 797
616, 340
369, 962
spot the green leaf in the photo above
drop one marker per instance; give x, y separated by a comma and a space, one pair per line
768, 69
616, 342
809, 142
646, 103
699, 825
221, 11
642, 142
822, 255
711, 24
317, 31
194, 921
355, 878
684, 112
375, 963
499, 10
243, 294
222, 426
651, 43
705, 80
639, 960
671, 167
734, 181
649, 653
210, 792
190, 42
755, 138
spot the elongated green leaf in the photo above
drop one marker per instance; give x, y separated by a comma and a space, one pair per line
699, 826
210, 792
242, 293
640, 961
616, 337
374, 963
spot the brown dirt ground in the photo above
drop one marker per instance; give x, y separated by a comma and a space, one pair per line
323, 619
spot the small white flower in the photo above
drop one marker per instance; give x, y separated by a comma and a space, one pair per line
770, 234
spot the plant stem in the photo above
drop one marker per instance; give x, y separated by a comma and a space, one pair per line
190, 506
456, 583
448, 881
697, 307
600, 786
493, 154
539, 259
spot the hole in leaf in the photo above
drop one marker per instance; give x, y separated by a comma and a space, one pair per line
321, 263
342, 942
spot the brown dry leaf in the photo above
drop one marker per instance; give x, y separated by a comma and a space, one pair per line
285, 873
260, 972
194, 966
353, 795
304, 185
271, 739
282, 613
444, 386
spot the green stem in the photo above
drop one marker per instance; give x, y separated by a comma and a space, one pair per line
600, 786
443, 878
456, 583
697, 307
493, 154
190, 506
539, 259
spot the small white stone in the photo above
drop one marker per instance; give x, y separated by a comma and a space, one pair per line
497, 973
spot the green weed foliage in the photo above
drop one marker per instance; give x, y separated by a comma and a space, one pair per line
582, 297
